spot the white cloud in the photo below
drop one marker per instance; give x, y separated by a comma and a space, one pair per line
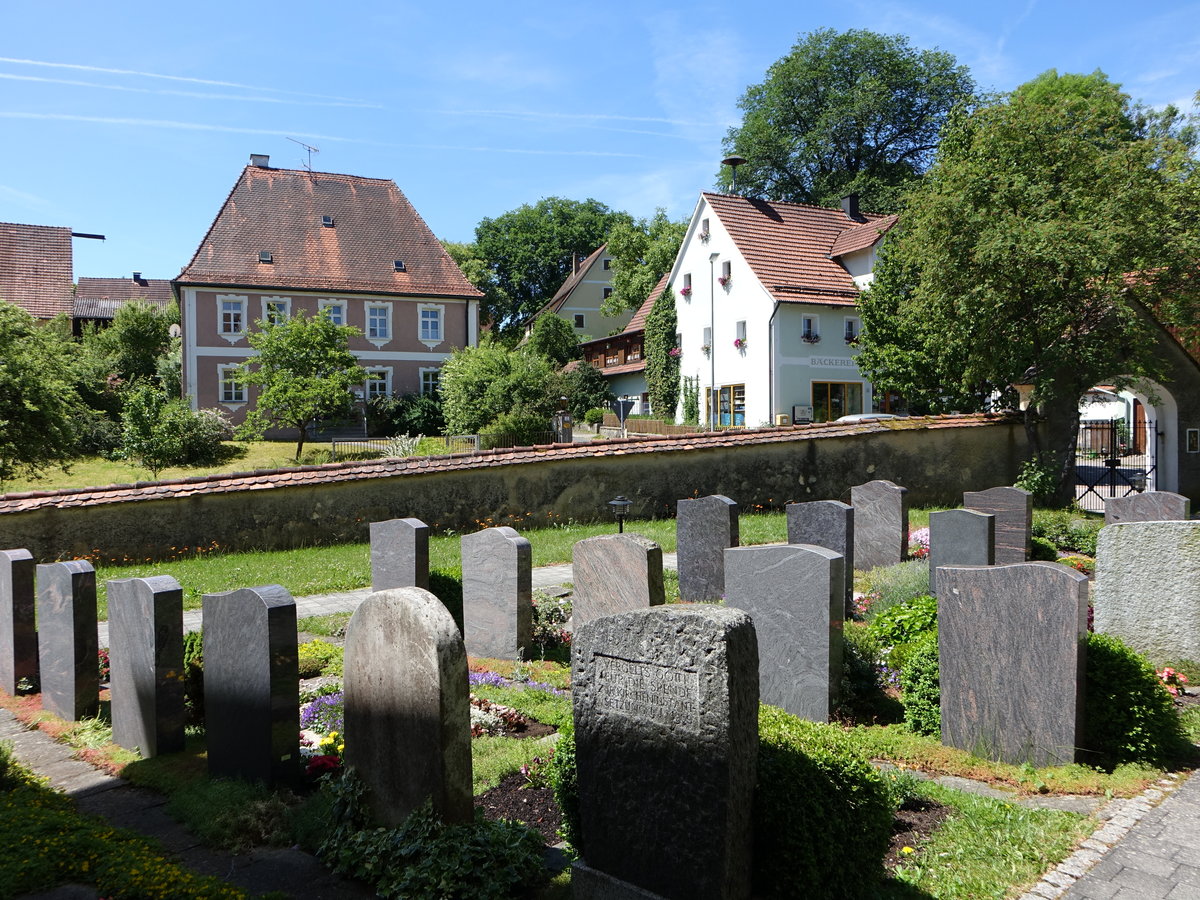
166, 123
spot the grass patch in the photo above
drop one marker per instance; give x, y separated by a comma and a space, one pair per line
494, 757
539, 705
987, 849
332, 625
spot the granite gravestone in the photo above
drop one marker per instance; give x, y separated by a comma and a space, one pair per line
1150, 506
68, 639
615, 573
880, 524
960, 537
18, 631
251, 684
794, 594
666, 743
407, 708
145, 632
399, 554
1011, 645
704, 527
1148, 585
1013, 509
828, 524
497, 585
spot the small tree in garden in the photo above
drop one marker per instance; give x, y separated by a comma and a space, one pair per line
305, 370
554, 338
662, 356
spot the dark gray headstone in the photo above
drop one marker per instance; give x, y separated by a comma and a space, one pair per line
1011, 644
18, 631
704, 528
399, 554
1013, 509
1147, 589
145, 645
794, 594
68, 639
960, 537
666, 719
615, 573
828, 524
407, 710
880, 524
251, 684
1150, 506
497, 584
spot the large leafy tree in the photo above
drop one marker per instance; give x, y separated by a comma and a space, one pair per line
1053, 218
38, 402
304, 369
845, 112
528, 253
642, 252
553, 337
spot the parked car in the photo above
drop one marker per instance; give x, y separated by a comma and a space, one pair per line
866, 417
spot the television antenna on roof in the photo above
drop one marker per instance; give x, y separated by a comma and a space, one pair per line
311, 150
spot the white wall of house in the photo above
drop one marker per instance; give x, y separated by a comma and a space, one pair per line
820, 373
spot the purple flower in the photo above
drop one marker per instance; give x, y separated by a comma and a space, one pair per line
325, 714
488, 678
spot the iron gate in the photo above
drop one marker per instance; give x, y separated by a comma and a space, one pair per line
1113, 459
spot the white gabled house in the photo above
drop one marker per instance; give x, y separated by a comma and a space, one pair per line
766, 294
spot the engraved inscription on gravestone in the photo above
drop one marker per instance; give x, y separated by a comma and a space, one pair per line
663, 695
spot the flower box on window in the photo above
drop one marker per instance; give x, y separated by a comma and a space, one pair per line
811, 338
724, 280
739, 343
686, 291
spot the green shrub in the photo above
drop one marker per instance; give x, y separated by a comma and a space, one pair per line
1067, 530
515, 429
405, 414
906, 621
564, 781
822, 814
1040, 479
1043, 549
890, 585
1129, 716
593, 416
193, 676
920, 687
318, 657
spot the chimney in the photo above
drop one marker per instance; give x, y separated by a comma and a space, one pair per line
850, 208
137, 277
260, 160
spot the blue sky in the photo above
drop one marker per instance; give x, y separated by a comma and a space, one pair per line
134, 119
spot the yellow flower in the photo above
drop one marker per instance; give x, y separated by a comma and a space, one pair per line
907, 850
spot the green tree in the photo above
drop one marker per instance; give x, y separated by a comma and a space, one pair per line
481, 384
553, 337
305, 371
642, 252
1050, 221
845, 112
585, 388
132, 345
528, 253
662, 356
37, 398
158, 431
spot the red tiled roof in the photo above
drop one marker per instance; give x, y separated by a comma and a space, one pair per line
35, 268
155, 290
302, 476
563, 293
863, 236
636, 324
788, 246
281, 210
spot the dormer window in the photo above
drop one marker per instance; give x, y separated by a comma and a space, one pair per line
264, 256
398, 265
327, 221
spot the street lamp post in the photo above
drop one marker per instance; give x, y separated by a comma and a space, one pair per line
712, 341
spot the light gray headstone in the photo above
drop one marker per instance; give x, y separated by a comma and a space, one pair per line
68, 639
828, 524
497, 582
1147, 589
1013, 509
1150, 506
666, 719
615, 573
408, 719
704, 528
252, 684
145, 634
1011, 644
399, 554
880, 524
794, 594
960, 537
18, 631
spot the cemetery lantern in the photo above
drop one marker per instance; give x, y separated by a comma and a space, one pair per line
620, 507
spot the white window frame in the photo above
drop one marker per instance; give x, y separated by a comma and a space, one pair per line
377, 339
706, 339
440, 310
225, 377
740, 330
851, 322
243, 302
810, 326
334, 304
425, 379
727, 269
380, 386
282, 306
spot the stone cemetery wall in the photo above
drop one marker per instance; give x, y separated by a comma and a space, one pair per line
68, 639
615, 573
1149, 506
666, 743
936, 459
704, 528
18, 632
1147, 589
880, 524
1011, 645
1013, 509
497, 586
407, 706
